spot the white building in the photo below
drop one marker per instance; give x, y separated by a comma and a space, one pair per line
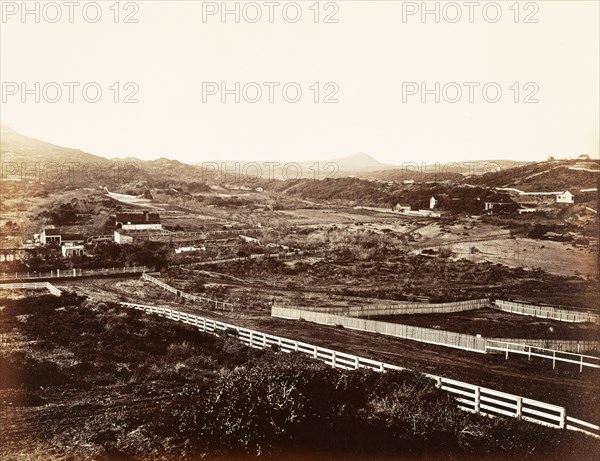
138, 221
565, 197
71, 249
432, 203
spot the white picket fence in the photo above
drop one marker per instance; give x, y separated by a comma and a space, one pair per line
32, 286
469, 397
551, 354
75, 272
182, 294
404, 308
546, 312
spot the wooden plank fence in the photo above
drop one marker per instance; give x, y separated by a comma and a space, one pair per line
546, 312
32, 286
182, 294
403, 308
426, 335
469, 397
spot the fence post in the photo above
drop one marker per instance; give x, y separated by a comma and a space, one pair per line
477, 399
553, 360
506, 351
519, 407
581, 365
563, 418
333, 359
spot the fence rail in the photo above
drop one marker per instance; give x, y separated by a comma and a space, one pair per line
533, 351
559, 345
546, 312
469, 397
200, 235
182, 294
75, 272
32, 286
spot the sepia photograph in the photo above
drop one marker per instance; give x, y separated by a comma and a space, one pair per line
312, 230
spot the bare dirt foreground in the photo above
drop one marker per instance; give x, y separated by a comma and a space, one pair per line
565, 386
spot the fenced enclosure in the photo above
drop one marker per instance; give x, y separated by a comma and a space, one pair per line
426, 335
546, 312
469, 397
32, 286
182, 294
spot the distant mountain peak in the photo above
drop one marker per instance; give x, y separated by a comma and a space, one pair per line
360, 162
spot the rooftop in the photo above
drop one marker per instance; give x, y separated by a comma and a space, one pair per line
138, 218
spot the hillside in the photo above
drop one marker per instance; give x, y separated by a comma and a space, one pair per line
550, 176
15, 147
82, 168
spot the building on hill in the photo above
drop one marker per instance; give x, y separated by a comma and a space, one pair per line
52, 235
565, 197
70, 249
499, 204
138, 221
402, 207
71, 244
433, 202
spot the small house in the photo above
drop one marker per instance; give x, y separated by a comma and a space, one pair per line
402, 207
138, 221
70, 249
565, 197
50, 236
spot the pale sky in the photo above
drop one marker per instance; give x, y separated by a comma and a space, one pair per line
367, 55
